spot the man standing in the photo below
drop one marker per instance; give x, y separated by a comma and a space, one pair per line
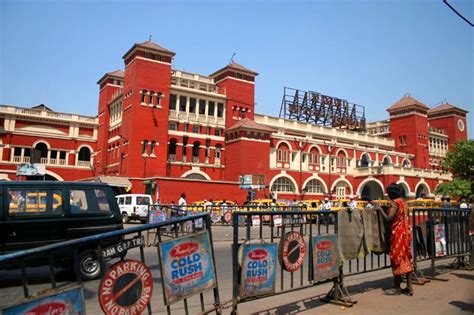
352, 203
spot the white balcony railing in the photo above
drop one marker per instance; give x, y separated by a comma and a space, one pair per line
83, 163
19, 159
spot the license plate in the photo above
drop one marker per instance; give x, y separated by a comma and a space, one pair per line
122, 247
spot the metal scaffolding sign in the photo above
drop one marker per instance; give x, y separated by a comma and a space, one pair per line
316, 108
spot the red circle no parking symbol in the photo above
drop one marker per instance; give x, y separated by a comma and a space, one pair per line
126, 288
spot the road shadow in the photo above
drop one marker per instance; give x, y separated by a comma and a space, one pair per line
464, 276
463, 306
313, 303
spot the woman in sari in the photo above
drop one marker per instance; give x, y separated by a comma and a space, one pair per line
400, 241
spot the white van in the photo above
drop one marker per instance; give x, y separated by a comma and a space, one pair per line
134, 207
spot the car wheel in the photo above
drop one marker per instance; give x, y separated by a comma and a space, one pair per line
89, 266
125, 217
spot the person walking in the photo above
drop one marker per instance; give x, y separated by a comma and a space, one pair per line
352, 203
400, 241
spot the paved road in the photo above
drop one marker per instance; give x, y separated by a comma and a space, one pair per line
453, 297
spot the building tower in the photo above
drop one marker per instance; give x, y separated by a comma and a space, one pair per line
145, 109
451, 119
409, 129
110, 84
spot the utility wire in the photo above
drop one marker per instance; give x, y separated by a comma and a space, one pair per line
459, 14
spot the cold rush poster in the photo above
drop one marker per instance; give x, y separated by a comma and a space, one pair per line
326, 257
187, 266
258, 269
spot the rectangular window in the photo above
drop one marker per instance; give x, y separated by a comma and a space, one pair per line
173, 101
210, 112
202, 107
217, 132
185, 127
192, 105
196, 129
220, 110
128, 200
35, 202
121, 201
173, 126
182, 103
208, 130
17, 151
84, 201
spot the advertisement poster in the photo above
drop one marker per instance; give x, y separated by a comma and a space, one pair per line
255, 221
199, 223
258, 269
156, 216
35, 169
187, 266
440, 240
61, 301
326, 257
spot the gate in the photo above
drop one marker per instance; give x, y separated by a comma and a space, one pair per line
111, 247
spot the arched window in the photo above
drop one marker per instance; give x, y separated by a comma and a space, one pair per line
172, 150
283, 152
196, 147
158, 98
84, 154
196, 176
218, 151
364, 160
144, 145
151, 97
152, 147
314, 156
342, 189
283, 184
386, 161
43, 149
314, 186
341, 158
144, 92
406, 163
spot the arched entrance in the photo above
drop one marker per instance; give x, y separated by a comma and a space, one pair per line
422, 191
371, 190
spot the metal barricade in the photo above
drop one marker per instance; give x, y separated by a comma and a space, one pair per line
309, 224
441, 233
203, 302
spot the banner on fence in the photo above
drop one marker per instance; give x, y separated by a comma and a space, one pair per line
440, 240
291, 251
258, 269
156, 216
68, 300
326, 257
126, 288
187, 266
255, 221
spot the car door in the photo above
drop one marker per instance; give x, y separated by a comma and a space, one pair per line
31, 223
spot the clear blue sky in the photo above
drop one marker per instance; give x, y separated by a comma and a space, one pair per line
368, 52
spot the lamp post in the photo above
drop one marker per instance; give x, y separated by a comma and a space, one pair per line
330, 148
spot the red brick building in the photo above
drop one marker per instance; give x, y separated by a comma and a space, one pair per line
64, 143
169, 131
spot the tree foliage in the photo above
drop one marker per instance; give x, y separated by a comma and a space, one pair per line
456, 188
460, 163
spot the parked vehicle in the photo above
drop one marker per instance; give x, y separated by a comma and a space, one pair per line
38, 213
134, 207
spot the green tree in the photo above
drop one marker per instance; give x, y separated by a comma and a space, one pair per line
456, 188
460, 163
